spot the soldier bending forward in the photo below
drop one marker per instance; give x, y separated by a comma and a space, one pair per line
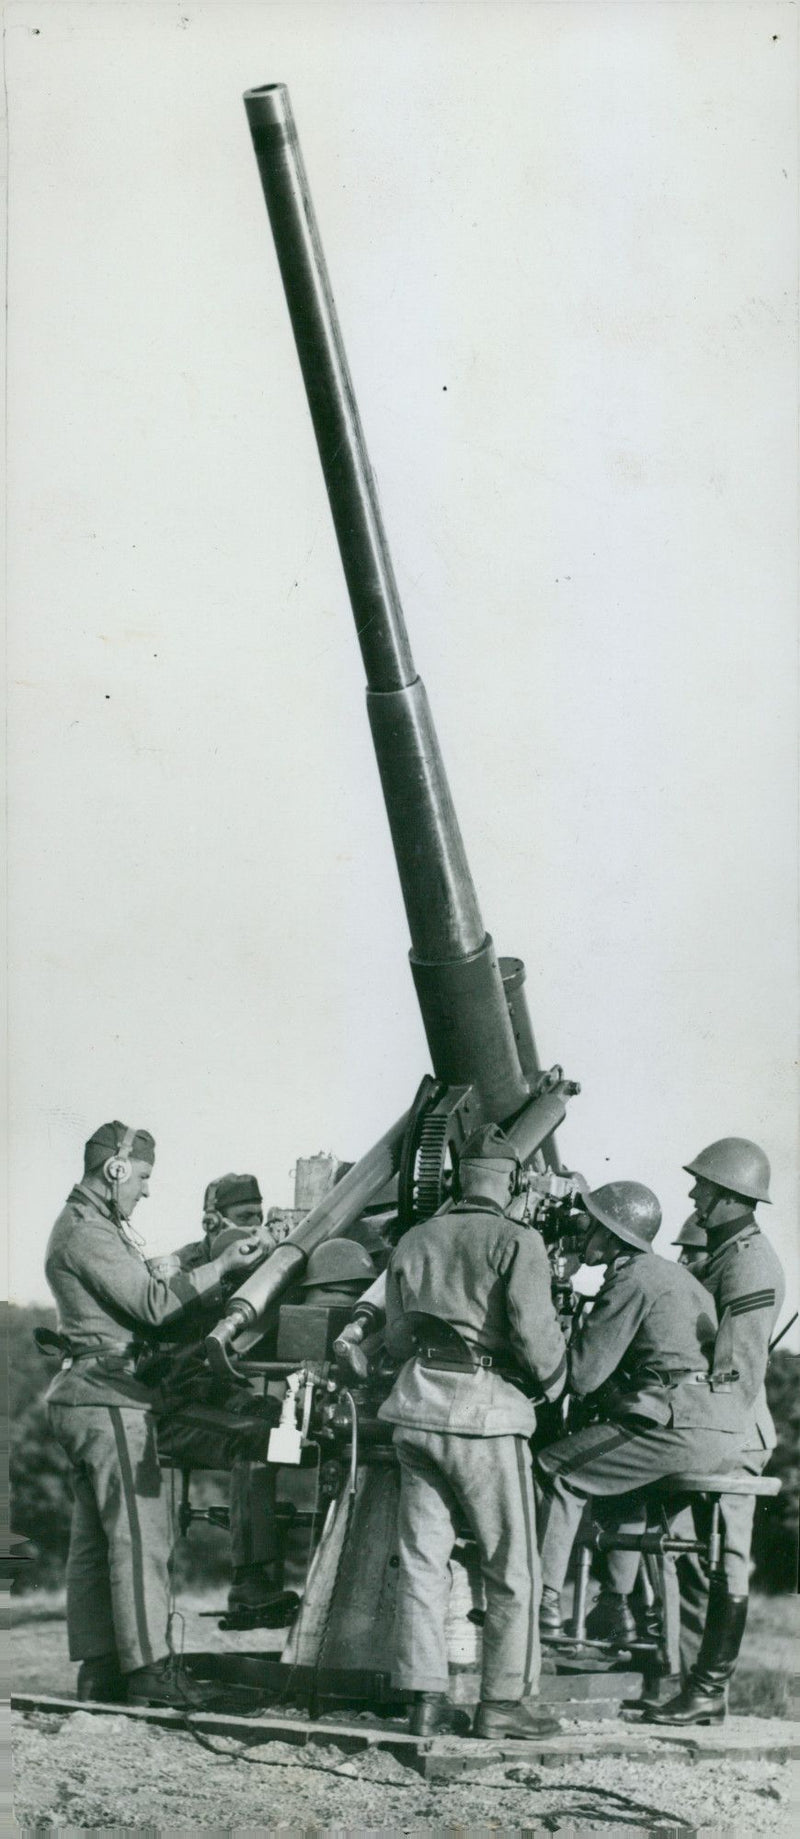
649, 1343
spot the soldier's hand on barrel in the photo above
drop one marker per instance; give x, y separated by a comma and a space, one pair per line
240, 1255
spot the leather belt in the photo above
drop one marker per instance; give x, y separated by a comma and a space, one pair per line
114, 1350
449, 1363
437, 1362
472, 1357
663, 1377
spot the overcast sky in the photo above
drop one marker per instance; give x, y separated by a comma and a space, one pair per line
562, 240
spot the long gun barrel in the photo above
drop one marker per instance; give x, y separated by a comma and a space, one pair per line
458, 980
473, 1007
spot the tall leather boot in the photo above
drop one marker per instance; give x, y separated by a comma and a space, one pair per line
702, 1700
253, 1584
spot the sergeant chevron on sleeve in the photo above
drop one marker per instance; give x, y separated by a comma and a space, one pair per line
745, 1278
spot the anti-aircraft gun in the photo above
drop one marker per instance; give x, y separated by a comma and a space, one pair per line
486, 1068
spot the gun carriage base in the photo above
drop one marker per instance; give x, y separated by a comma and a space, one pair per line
336, 1464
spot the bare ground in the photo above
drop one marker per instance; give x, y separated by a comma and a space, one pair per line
85, 1772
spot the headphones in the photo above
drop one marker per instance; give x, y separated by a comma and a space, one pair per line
117, 1168
212, 1218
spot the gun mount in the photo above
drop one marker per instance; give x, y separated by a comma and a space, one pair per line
485, 1062
486, 1069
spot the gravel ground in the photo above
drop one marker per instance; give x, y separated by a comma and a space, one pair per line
81, 1771
86, 1771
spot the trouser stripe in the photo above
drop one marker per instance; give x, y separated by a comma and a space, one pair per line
137, 1558
525, 1489
551, 1464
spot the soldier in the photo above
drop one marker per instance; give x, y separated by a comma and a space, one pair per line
693, 1242
745, 1278
464, 1414
649, 1344
233, 1209
109, 1303
336, 1273
233, 1212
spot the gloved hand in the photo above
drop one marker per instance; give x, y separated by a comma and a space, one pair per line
348, 1349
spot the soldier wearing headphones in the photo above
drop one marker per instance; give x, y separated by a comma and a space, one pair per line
232, 1209
110, 1303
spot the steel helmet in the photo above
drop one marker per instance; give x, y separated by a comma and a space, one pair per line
692, 1233
629, 1210
736, 1164
338, 1261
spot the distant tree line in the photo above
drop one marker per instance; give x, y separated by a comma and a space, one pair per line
41, 1495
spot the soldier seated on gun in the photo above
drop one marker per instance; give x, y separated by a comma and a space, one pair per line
745, 1278
647, 1351
111, 1305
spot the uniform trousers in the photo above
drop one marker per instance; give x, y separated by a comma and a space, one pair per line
120, 1539
613, 1462
445, 1479
254, 1529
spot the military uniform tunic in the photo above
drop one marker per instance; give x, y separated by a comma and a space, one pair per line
462, 1438
110, 1303
746, 1280
651, 1333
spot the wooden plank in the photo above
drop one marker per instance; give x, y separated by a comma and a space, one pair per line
446, 1758
265, 1729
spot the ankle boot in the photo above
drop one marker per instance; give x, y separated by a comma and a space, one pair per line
499, 1718
611, 1620
101, 1680
702, 1700
432, 1715
166, 1683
